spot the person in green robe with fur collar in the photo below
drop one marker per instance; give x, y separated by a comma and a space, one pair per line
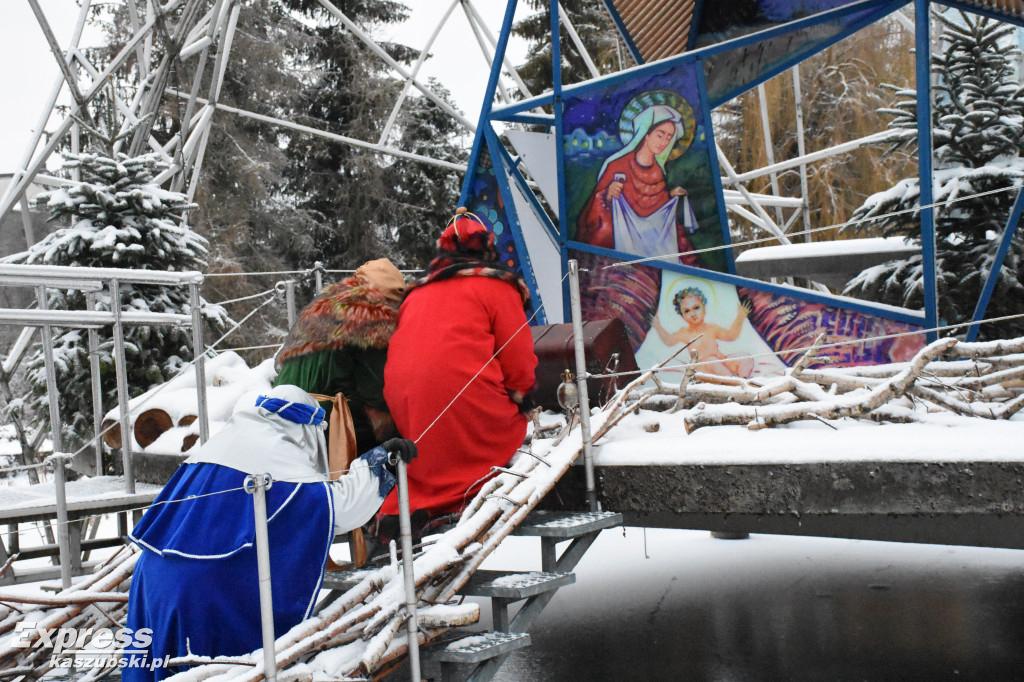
339, 345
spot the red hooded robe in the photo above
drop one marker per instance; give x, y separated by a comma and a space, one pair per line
448, 331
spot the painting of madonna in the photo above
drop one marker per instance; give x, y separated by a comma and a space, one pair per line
631, 209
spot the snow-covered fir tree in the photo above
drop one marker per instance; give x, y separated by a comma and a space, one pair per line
978, 131
118, 218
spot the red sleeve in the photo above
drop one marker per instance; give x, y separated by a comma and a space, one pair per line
517, 359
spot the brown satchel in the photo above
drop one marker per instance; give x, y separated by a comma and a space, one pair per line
341, 452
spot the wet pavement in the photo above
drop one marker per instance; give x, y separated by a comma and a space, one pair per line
681, 605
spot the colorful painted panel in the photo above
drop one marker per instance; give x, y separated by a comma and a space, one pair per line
638, 167
486, 202
739, 332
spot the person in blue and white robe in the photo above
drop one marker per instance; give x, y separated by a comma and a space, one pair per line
195, 585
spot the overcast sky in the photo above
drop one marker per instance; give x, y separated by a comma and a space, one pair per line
29, 70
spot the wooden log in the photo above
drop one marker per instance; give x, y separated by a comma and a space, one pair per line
188, 441
187, 419
150, 425
112, 433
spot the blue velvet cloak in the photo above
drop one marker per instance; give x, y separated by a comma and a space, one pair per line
196, 585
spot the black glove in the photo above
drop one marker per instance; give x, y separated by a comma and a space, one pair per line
528, 403
400, 448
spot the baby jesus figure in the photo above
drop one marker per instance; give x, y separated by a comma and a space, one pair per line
691, 304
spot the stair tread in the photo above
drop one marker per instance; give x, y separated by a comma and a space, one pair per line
476, 648
514, 584
567, 524
344, 580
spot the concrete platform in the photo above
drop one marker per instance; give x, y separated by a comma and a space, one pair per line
975, 503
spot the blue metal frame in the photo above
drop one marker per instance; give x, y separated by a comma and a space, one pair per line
997, 264
716, 178
524, 187
800, 55
991, 14
512, 221
888, 312
488, 104
925, 174
558, 108
695, 18
518, 112
620, 26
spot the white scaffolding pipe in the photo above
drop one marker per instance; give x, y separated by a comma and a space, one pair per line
486, 52
369, 42
734, 197
140, 51
766, 220
390, 151
127, 111
33, 166
798, 103
61, 58
812, 157
415, 72
769, 146
40, 128
470, 8
219, 68
563, 16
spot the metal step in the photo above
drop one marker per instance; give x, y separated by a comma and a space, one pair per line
343, 581
510, 585
513, 585
477, 648
566, 525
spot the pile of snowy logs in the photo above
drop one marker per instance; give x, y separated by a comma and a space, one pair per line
38, 626
983, 380
360, 633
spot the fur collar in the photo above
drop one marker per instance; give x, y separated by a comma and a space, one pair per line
351, 312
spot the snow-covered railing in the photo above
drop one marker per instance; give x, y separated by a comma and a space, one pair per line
91, 281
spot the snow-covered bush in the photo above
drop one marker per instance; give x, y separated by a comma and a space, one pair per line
978, 132
118, 219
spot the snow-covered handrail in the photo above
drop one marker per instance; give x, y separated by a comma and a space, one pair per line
13, 273
86, 318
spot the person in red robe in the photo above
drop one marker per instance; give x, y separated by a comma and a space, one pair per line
458, 368
643, 223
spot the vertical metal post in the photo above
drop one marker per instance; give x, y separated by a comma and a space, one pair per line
97, 388
997, 264
318, 275
558, 111
122, 387
63, 542
289, 299
798, 101
404, 527
257, 486
581, 380
488, 103
769, 147
199, 354
922, 28
63, 529
51, 375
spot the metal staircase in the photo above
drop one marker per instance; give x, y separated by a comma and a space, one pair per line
479, 655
